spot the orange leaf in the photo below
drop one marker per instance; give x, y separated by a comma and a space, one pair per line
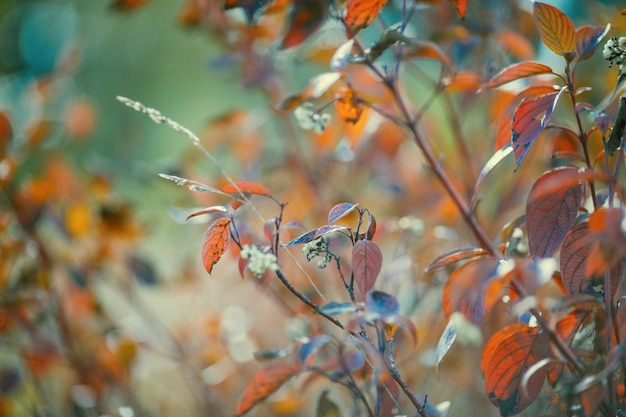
263, 384
305, 18
515, 72
360, 13
247, 187
555, 28
506, 358
214, 243
515, 43
460, 6
6, 132
348, 106
455, 256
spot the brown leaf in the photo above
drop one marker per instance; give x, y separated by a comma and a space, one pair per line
263, 384
367, 261
360, 13
215, 243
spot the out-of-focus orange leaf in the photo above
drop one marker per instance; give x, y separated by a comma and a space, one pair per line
515, 43
462, 81
360, 13
290, 103
80, 119
128, 5
247, 187
515, 72
41, 358
263, 384
506, 358
215, 243
305, 18
191, 13
556, 29
348, 106
460, 6
38, 132
78, 220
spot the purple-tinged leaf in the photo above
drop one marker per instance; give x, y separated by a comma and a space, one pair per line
329, 228
340, 210
308, 349
381, 303
455, 256
550, 216
367, 261
495, 159
529, 120
371, 228
445, 343
333, 307
588, 38
315, 233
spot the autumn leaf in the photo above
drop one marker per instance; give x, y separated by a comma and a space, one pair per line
340, 210
127, 5
349, 108
515, 72
263, 384
506, 358
459, 6
305, 17
360, 13
555, 28
549, 216
367, 261
454, 256
588, 38
529, 120
207, 210
246, 187
215, 243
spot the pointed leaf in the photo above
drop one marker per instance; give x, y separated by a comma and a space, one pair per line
381, 303
367, 261
246, 187
588, 38
263, 384
575, 252
460, 6
550, 216
192, 185
495, 159
529, 120
349, 108
208, 210
454, 256
315, 233
555, 28
215, 243
506, 358
305, 17
446, 340
360, 13
340, 210
515, 72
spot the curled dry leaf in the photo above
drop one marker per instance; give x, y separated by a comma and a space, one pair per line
215, 243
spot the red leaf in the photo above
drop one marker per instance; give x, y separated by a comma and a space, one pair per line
465, 290
127, 5
367, 260
247, 187
305, 18
360, 13
215, 243
575, 253
263, 384
515, 72
555, 28
550, 216
208, 210
529, 120
588, 38
454, 256
340, 210
460, 6
506, 358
